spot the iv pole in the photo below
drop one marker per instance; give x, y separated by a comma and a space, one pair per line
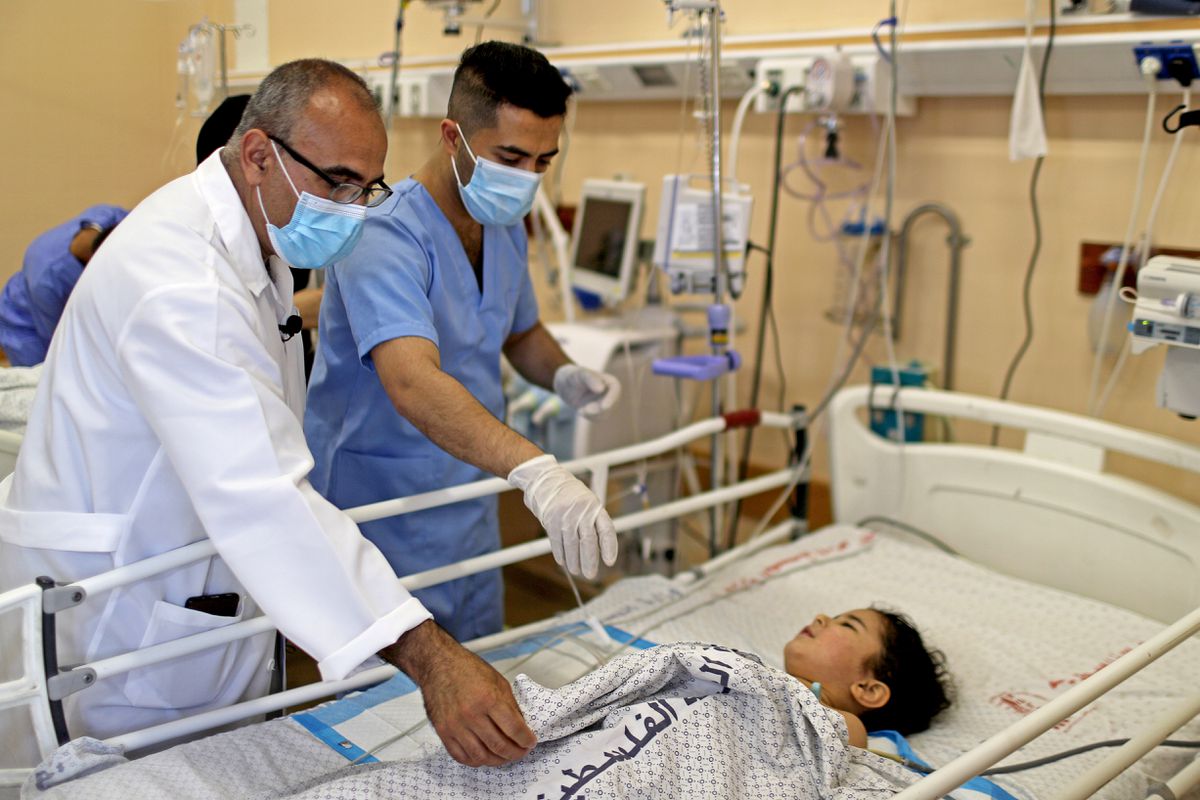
722, 360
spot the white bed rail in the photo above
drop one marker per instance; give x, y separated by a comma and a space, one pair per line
1090, 531
1057, 499
974, 762
31, 689
315, 691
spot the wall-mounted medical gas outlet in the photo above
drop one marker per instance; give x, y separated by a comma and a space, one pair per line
1176, 60
852, 84
419, 95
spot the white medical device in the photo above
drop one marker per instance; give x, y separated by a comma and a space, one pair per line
604, 239
683, 246
1168, 312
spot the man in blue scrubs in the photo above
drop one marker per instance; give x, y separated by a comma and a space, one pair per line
34, 298
405, 394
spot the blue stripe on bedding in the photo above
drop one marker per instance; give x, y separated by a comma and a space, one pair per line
321, 722
330, 736
891, 741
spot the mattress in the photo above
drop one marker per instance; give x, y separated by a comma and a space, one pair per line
1010, 645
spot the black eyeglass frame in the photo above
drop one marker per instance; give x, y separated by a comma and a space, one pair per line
376, 193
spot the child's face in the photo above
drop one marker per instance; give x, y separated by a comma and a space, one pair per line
835, 651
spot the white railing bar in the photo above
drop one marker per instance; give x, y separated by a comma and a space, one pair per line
15, 777
975, 761
184, 646
130, 573
1120, 759
198, 723
29, 689
1031, 418
767, 537
303, 694
520, 552
17, 693
196, 642
1184, 781
490, 486
198, 551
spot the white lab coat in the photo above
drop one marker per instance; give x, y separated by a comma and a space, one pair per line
169, 411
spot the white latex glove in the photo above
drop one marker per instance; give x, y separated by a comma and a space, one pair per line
585, 390
580, 530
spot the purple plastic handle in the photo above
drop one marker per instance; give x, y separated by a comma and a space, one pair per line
698, 368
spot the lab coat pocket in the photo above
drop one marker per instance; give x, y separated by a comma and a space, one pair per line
194, 680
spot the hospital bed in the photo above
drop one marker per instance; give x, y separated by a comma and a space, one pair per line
1051, 608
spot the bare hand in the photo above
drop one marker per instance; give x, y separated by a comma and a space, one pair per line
469, 703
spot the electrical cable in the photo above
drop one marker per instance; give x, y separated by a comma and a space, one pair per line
1146, 243
767, 295
915, 531
739, 119
1009, 769
1026, 299
1127, 243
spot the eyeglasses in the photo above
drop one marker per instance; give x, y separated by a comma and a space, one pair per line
344, 193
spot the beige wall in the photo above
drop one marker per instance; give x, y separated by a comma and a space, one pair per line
94, 93
87, 95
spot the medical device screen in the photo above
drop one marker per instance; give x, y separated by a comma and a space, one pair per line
602, 236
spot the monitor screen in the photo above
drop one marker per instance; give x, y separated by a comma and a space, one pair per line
604, 241
602, 235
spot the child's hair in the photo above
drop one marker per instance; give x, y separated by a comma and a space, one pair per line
919, 681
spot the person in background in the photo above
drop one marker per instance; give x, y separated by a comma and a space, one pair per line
213, 135
406, 392
169, 413
34, 298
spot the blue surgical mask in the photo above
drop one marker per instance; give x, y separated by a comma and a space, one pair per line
497, 194
320, 231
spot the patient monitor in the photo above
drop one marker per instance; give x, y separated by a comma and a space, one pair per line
604, 240
1168, 312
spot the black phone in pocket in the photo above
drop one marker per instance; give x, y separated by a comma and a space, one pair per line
219, 605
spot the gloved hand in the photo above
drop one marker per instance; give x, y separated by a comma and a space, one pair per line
587, 391
580, 530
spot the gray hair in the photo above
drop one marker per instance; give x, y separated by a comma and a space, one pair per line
283, 96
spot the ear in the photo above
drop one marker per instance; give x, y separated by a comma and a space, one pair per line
871, 693
256, 152
450, 136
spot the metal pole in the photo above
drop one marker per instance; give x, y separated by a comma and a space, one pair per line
720, 276
224, 64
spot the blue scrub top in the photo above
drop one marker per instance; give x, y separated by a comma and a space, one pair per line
34, 298
410, 276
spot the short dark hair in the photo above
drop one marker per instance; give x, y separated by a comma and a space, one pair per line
494, 73
220, 125
283, 96
917, 676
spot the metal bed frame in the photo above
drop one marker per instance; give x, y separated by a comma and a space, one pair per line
1053, 497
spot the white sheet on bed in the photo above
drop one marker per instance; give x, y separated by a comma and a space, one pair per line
1011, 646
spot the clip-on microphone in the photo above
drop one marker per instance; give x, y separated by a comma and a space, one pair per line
291, 327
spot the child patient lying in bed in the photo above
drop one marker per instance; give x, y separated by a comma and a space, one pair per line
685, 719
871, 666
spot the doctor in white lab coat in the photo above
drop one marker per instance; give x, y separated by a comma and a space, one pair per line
170, 411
